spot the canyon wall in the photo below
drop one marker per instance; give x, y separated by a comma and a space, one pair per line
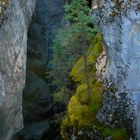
119, 22
120, 26
13, 45
38, 105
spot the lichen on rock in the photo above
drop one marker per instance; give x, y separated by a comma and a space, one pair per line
108, 10
120, 26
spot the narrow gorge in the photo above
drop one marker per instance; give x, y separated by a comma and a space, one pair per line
69, 70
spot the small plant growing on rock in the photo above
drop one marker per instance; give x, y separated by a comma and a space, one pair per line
3, 6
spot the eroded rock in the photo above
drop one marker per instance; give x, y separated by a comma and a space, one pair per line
119, 22
13, 45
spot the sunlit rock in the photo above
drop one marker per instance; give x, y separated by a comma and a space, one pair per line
13, 43
119, 22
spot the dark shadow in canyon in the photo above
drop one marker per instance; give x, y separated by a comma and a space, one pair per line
38, 106
39, 110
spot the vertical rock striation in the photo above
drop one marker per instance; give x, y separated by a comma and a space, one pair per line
120, 26
13, 44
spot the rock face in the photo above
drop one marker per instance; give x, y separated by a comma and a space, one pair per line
37, 98
120, 26
13, 44
45, 23
35, 130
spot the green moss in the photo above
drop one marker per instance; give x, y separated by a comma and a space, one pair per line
77, 72
116, 133
81, 112
80, 109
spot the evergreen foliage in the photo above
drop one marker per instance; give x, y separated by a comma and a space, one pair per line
75, 52
71, 43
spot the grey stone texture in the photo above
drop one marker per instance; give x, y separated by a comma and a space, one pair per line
119, 22
13, 45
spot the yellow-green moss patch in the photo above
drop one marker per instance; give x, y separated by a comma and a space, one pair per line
81, 112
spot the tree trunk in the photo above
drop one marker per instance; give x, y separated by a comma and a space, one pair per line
86, 76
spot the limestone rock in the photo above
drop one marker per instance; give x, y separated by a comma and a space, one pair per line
116, 111
13, 45
119, 22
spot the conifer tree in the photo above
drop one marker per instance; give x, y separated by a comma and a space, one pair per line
73, 42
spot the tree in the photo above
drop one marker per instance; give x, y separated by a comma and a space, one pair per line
61, 64
77, 12
72, 42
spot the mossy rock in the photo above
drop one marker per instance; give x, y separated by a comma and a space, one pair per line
82, 109
81, 112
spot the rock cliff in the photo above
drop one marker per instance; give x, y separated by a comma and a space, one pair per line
120, 26
43, 27
13, 45
119, 22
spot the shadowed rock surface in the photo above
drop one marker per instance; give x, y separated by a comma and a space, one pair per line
37, 99
45, 23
